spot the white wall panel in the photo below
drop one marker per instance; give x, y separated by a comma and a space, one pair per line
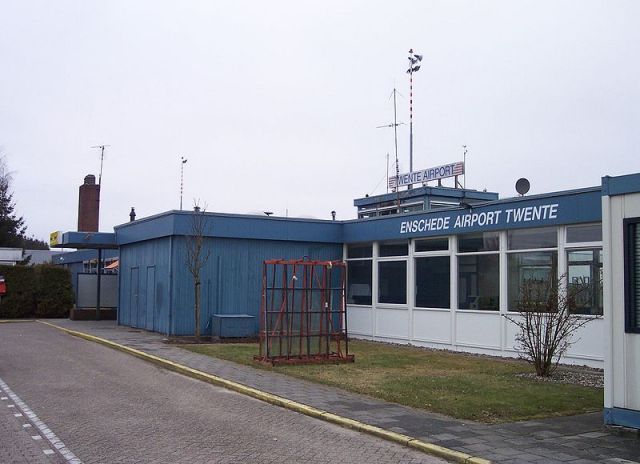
432, 326
478, 329
392, 323
589, 341
359, 320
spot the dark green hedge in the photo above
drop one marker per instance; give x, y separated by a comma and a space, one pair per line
36, 291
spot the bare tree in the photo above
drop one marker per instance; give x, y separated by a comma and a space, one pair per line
197, 257
547, 320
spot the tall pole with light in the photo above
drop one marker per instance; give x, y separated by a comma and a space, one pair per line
414, 66
183, 160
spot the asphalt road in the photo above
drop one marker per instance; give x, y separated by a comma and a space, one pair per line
102, 406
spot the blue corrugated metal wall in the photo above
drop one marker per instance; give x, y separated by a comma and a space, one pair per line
232, 277
144, 298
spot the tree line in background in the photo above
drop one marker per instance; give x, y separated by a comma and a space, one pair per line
13, 230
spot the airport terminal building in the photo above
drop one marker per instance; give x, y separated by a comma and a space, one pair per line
433, 266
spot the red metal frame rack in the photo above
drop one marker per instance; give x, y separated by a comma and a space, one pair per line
303, 312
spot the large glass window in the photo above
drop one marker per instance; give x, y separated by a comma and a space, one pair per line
584, 233
584, 280
632, 274
530, 277
432, 282
359, 282
479, 282
392, 282
483, 241
527, 239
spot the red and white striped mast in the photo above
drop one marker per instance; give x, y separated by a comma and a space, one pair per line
414, 66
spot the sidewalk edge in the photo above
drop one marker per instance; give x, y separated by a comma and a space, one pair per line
276, 400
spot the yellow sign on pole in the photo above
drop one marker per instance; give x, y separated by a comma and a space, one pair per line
55, 238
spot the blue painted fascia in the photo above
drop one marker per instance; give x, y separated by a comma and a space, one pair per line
623, 417
156, 226
224, 225
574, 207
87, 240
262, 228
81, 256
620, 185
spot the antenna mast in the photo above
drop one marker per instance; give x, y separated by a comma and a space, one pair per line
395, 139
101, 147
413, 67
183, 160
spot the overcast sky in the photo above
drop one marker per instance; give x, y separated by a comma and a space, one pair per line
275, 104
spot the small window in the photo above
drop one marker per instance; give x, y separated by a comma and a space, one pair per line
359, 282
531, 276
588, 233
479, 282
394, 249
527, 239
632, 274
435, 244
584, 280
433, 278
392, 282
359, 251
484, 241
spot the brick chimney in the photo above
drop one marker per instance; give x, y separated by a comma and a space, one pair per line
89, 205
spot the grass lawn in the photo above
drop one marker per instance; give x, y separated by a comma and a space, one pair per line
458, 385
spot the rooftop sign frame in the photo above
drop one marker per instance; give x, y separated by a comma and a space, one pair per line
425, 175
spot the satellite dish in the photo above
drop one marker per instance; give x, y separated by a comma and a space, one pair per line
522, 186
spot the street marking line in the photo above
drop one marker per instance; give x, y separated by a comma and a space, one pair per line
36, 437
13, 321
276, 400
53, 439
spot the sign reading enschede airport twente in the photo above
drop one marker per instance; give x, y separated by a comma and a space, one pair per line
426, 175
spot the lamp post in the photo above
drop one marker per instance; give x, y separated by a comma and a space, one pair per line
414, 59
183, 160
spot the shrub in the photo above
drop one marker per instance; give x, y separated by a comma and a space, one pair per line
36, 291
54, 297
19, 301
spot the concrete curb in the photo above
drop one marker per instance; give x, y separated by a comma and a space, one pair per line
399, 438
11, 321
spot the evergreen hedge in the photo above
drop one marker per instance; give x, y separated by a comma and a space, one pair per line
36, 291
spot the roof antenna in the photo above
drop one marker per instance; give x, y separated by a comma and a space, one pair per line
101, 147
395, 125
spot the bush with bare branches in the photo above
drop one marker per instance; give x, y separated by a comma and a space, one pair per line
546, 321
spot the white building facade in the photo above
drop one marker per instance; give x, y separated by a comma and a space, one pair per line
447, 279
621, 239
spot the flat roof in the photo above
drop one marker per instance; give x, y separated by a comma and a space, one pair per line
88, 240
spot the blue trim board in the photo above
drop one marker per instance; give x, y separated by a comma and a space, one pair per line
90, 240
223, 225
620, 185
524, 212
624, 417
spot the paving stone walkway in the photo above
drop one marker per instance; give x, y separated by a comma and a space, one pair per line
578, 439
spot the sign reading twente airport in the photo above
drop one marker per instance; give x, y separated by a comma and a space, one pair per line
425, 175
